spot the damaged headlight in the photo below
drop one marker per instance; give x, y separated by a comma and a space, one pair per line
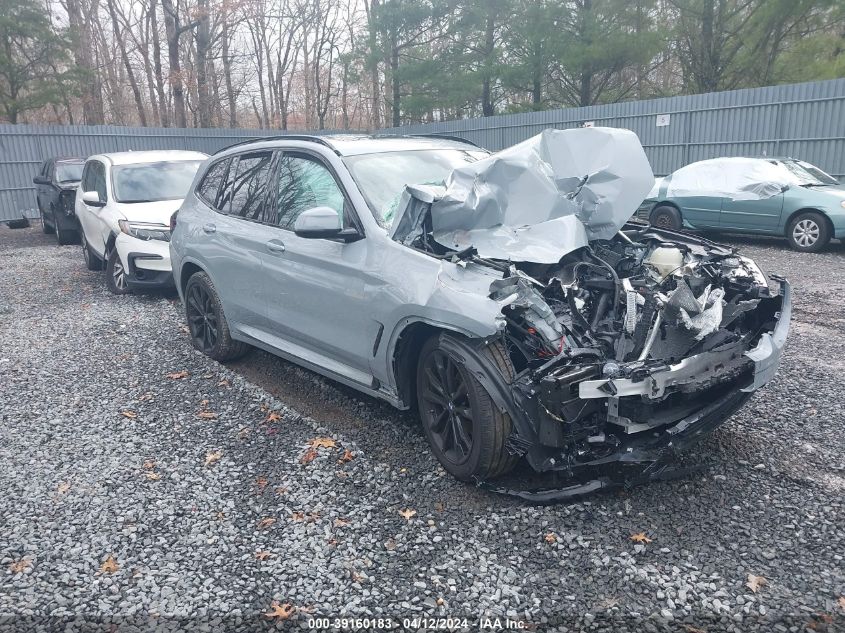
145, 231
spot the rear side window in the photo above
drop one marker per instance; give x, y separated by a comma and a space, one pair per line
210, 188
249, 186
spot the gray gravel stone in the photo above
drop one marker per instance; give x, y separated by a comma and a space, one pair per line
76, 485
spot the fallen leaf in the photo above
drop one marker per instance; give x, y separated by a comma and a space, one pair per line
153, 476
126, 413
842, 602
261, 483
263, 524
145, 397
207, 376
390, 544
640, 537
551, 537
178, 375
243, 433
184, 329
332, 542
223, 383
207, 415
689, 628
819, 622
109, 566
264, 406
264, 555
281, 490
149, 464
212, 457
322, 442
407, 513
220, 516
280, 611
356, 577
273, 416
347, 456
755, 582
20, 566
63, 487
309, 456
340, 522
203, 403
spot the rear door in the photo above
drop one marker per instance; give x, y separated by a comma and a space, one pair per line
317, 290
230, 242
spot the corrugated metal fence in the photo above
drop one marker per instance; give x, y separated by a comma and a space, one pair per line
24, 147
802, 120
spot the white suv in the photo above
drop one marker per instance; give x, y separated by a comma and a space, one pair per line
124, 205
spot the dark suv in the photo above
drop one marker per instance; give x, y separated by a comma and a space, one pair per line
56, 185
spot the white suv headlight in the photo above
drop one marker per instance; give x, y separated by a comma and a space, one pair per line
144, 230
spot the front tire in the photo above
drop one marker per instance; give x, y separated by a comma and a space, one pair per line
92, 262
808, 232
63, 236
116, 275
207, 324
466, 430
666, 217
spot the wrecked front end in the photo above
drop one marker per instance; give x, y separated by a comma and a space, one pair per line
628, 343
629, 351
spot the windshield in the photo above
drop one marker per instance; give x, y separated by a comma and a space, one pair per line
382, 177
802, 173
69, 172
152, 182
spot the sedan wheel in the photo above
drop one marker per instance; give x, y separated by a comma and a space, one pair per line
808, 232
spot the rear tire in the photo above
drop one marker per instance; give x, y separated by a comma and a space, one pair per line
207, 324
63, 236
92, 262
808, 232
116, 275
666, 217
466, 430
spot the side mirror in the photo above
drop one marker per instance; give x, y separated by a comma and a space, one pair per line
92, 199
40, 180
319, 222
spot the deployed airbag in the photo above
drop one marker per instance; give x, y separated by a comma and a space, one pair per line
535, 201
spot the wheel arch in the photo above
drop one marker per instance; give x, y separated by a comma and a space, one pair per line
798, 212
666, 203
188, 269
403, 353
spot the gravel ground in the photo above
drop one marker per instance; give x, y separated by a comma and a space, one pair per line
145, 485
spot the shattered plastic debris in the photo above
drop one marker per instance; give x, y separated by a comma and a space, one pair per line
705, 315
535, 201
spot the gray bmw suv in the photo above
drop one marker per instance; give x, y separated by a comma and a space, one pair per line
514, 305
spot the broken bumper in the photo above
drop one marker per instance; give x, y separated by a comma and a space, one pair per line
765, 355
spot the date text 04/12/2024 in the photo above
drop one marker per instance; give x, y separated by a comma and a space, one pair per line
494, 623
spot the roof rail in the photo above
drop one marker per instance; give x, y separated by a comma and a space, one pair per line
432, 135
278, 137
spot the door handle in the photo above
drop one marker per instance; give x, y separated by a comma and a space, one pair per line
275, 246
209, 228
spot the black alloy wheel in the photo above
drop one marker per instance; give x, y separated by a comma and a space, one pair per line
202, 318
445, 401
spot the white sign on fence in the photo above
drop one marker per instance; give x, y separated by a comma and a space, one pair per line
662, 120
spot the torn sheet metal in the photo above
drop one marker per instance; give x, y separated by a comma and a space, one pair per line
734, 178
538, 200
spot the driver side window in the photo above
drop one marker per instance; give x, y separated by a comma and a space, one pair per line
304, 183
94, 179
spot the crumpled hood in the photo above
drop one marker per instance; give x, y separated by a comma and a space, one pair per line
535, 201
150, 212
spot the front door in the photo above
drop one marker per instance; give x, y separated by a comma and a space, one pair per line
318, 291
752, 215
91, 217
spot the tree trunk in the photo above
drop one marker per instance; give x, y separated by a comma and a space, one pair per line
92, 89
227, 76
203, 42
394, 78
487, 108
164, 111
177, 89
